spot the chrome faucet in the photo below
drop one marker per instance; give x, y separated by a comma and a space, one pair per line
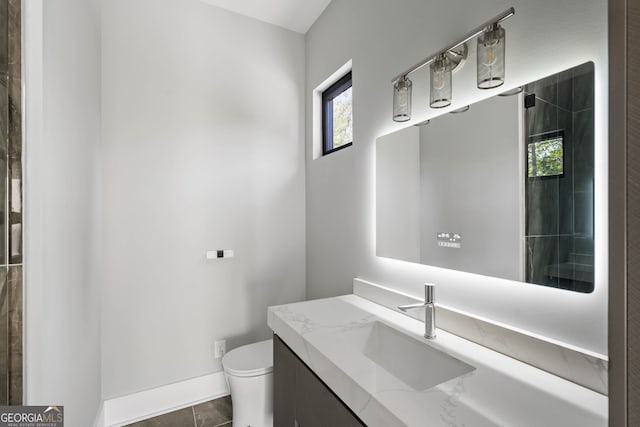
430, 310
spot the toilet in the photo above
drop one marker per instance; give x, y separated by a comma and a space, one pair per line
249, 373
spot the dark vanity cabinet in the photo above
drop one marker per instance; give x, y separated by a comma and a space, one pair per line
301, 398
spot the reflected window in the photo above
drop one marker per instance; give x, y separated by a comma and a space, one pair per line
545, 156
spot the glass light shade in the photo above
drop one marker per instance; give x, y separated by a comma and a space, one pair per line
402, 100
490, 54
440, 82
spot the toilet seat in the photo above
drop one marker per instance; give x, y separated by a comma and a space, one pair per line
249, 360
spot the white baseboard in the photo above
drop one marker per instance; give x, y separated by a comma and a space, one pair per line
135, 407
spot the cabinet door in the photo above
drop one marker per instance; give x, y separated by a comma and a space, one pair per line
284, 384
301, 398
317, 406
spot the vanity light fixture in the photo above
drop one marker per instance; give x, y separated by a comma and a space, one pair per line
441, 70
402, 100
490, 72
490, 56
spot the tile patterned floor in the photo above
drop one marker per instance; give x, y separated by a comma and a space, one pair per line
215, 413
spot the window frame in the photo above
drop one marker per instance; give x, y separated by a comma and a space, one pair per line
328, 95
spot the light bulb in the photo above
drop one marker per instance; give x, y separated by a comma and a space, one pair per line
440, 66
402, 98
439, 79
490, 56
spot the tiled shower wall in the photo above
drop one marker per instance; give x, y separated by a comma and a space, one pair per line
10, 204
559, 214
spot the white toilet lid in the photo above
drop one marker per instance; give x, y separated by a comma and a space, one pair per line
249, 360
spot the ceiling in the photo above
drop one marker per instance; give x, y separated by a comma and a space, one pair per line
295, 15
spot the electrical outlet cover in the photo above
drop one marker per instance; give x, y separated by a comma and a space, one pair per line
219, 349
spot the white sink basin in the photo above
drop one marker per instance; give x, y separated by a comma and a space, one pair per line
415, 363
377, 353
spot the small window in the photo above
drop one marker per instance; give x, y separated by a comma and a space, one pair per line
337, 116
545, 155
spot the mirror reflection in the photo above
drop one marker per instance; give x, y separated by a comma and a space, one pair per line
503, 189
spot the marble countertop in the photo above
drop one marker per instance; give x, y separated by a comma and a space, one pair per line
500, 391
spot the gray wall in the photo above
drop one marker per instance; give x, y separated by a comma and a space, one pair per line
157, 130
62, 348
202, 149
383, 38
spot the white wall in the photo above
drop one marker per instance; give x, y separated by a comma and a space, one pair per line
203, 149
62, 304
383, 38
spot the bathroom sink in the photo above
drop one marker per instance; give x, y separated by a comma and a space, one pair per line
376, 352
415, 363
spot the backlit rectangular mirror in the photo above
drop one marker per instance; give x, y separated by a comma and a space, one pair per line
504, 189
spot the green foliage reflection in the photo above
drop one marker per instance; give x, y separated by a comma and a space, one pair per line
545, 158
342, 119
